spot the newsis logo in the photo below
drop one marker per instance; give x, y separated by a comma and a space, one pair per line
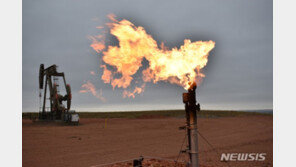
243, 156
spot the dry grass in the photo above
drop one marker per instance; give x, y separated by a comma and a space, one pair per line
155, 114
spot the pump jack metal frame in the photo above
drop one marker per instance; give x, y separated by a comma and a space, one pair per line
57, 109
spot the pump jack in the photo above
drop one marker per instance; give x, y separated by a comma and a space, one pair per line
57, 110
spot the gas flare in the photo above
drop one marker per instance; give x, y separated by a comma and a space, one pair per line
180, 66
89, 87
137, 90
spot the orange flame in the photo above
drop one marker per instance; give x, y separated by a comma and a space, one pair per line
137, 90
98, 46
180, 66
89, 87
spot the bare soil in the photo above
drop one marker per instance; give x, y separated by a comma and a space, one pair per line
99, 141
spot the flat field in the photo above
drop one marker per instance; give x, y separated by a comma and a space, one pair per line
111, 137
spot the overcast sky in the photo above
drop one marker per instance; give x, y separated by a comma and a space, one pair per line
238, 75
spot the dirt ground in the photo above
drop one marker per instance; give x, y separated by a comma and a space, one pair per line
100, 141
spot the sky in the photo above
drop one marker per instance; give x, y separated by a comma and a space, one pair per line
239, 73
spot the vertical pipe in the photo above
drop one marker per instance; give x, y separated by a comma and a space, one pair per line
188, 129
193, 139
191, 119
